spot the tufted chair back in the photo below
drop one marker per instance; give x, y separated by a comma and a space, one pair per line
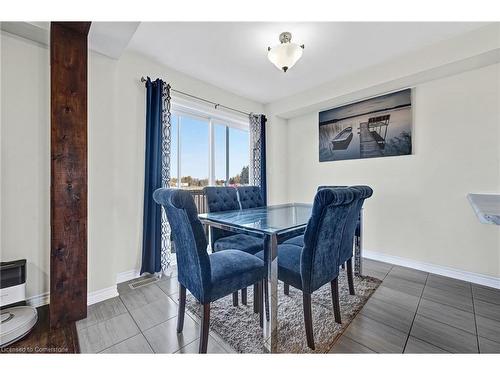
324, 236
220, 198
331, 187
193, 263
352, 227
250, 197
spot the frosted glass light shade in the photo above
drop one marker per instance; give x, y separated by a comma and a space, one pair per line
285, 55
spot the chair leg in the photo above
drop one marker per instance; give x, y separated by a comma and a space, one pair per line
350, 280
235, 299
256, 299
306, 299
261, 305
182, 308
266, 298
205, 326
244, 296
335, 300
287, 289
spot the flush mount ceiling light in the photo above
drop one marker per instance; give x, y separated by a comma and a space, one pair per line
286, 54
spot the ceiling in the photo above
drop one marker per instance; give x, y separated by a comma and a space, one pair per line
107, 38
233, 56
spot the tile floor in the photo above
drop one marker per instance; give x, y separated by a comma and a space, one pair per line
418, 312
143, 320
411, 312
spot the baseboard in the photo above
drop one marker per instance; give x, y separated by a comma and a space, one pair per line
133, 274
472, 277
101, 295
127, 275
92, 297
39, 300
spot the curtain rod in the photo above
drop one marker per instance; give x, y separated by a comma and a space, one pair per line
216, 105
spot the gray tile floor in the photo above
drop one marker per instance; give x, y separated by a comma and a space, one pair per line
418, 312
411, 312
142, 320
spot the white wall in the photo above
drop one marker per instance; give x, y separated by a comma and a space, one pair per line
25, 158
115, 157
277, 153
419, 208
101, 165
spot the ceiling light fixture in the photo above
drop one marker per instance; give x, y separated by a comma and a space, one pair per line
286, 54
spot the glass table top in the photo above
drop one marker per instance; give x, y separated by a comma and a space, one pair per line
269, 220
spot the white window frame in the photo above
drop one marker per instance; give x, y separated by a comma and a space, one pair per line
189, 108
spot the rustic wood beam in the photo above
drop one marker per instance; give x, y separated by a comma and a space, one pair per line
68, 200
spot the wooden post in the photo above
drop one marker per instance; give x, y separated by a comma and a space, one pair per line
68, 191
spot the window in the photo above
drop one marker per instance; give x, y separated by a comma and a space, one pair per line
238, 157
174, 143
207, 151
220, 147
194, 165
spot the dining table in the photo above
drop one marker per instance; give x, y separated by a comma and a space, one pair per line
275, 224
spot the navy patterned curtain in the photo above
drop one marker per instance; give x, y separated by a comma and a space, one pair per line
258, 153
156, 231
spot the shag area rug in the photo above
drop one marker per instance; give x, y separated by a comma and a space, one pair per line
239, 326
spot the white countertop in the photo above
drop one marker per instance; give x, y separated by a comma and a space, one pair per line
487, 207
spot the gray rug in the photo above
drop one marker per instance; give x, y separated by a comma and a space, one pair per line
239, 326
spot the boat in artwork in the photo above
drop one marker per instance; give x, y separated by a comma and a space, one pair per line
342, 140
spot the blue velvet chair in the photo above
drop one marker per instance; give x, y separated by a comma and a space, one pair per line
226, 198
346, 251
352, 229
207, 276
222, 198
250, 197
316, 263
299, 240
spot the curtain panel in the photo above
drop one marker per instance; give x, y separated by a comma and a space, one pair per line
258, 153
156, 243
